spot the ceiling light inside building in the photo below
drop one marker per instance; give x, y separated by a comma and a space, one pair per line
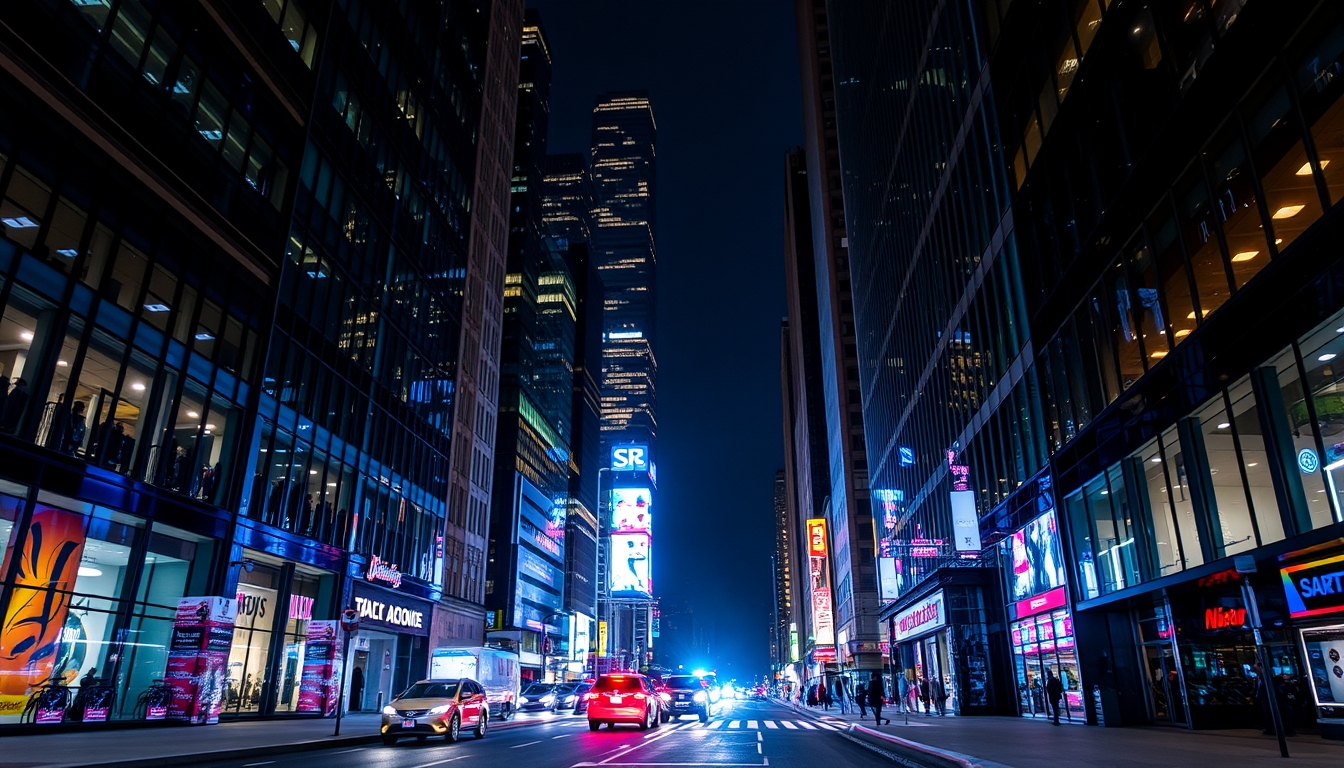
1245, 256
1288, 211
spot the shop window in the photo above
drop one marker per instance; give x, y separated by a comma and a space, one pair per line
258, 606
1254, 460
1235, 203
61, 621
12, 499
130, 30
99, 373
128, 274
24, 207
1280, 158
177, 564
1166, 544
1320, 87
1320, 358
1182, 503
306, 601
65, 235
1232, 511
1205, 255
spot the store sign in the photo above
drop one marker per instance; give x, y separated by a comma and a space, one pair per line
924, 616
629, 457
379, 570
823, 653
1308, 461
816, 537
824, 622
1314, 588
1224, 618
1047, 601
391, 611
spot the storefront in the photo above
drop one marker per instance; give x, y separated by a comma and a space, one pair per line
1314, 587
1041, 626
277, 601
390, 650
90, 582
923, 647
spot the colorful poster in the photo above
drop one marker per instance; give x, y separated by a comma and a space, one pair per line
321, 669
30, 638
197, 658
631, 510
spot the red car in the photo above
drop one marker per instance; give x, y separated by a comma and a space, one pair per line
623, 698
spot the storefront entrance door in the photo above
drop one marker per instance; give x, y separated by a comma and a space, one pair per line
1165, 693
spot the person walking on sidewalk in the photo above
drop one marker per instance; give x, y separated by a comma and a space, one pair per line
939, 693
826, 698
876, 696
842, 694
861, 698
925, 693
903, 688
1054, 691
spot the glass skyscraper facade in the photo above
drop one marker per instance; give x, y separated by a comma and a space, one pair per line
234, 276
1097, 318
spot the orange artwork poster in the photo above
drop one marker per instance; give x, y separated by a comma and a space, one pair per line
30, 637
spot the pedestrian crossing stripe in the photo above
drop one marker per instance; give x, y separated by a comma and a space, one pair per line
752, 724
807, 725
789, 726
735, 724
756, 725
770, 724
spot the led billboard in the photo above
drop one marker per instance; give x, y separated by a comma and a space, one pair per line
630, 510
630, 565
1037, 562
625, 458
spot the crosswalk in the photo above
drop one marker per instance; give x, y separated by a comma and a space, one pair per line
766, 725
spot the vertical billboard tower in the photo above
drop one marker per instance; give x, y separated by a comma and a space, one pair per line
823, 619
628, 545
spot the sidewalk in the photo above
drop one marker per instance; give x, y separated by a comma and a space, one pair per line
1021, 742
188, 745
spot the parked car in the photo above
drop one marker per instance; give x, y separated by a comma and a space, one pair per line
623, 698
436, 708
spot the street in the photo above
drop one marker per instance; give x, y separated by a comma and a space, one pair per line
740, 734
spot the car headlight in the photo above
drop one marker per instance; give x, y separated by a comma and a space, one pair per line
388, 710
664, 697
439, 710
548, 698
700, 697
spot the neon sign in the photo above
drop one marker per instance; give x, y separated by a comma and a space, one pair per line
383, 571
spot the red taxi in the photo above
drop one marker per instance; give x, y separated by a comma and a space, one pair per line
623, 698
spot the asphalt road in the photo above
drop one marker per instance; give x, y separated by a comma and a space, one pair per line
742, 734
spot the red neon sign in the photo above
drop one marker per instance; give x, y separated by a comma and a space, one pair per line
1047, 601
1224, 618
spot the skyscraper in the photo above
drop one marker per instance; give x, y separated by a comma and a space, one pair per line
624, 236
853, 592
525, 592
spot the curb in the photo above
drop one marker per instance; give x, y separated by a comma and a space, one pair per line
924, 754
245, 753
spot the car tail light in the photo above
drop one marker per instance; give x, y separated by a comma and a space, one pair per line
589, 696
640, 696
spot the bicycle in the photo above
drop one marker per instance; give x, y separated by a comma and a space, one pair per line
48, 697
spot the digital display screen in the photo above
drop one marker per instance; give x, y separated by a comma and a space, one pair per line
1037, 562
630, 565
630, 510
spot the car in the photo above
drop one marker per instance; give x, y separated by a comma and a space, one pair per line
623, 698
436, 708
664, 701
566, 694
581, 697
538, 697
690, 696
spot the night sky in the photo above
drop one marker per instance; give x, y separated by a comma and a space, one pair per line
723, 79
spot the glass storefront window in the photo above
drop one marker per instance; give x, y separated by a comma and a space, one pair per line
1181, 502
1232, 509
1323, 648
258, 593
305, 593
1254, 459
1320, 352
1302, 430
1166, 539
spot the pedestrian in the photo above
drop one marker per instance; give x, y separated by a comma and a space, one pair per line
826, 698
876, 696
75, 429
357, 690
812, 696
842, 694
939, 692
903, 687
861, 698
1054, 691
15, 405
925, 693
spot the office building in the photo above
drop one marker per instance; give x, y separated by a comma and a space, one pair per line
232, 309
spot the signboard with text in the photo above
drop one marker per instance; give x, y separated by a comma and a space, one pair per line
384, 609
1314, 588
628, 458
922, 617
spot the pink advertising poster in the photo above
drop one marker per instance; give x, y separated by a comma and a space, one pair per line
197, 656
321, 668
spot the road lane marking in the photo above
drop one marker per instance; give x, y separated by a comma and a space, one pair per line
734, 725
759, 737
788, 726
528, 744
753, 725
561, 736
758, 748
807, 726
770, 725
716, 724
827, 726
264, 762
438, 762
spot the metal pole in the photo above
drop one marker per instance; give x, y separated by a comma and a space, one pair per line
340, 695
1266, 676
